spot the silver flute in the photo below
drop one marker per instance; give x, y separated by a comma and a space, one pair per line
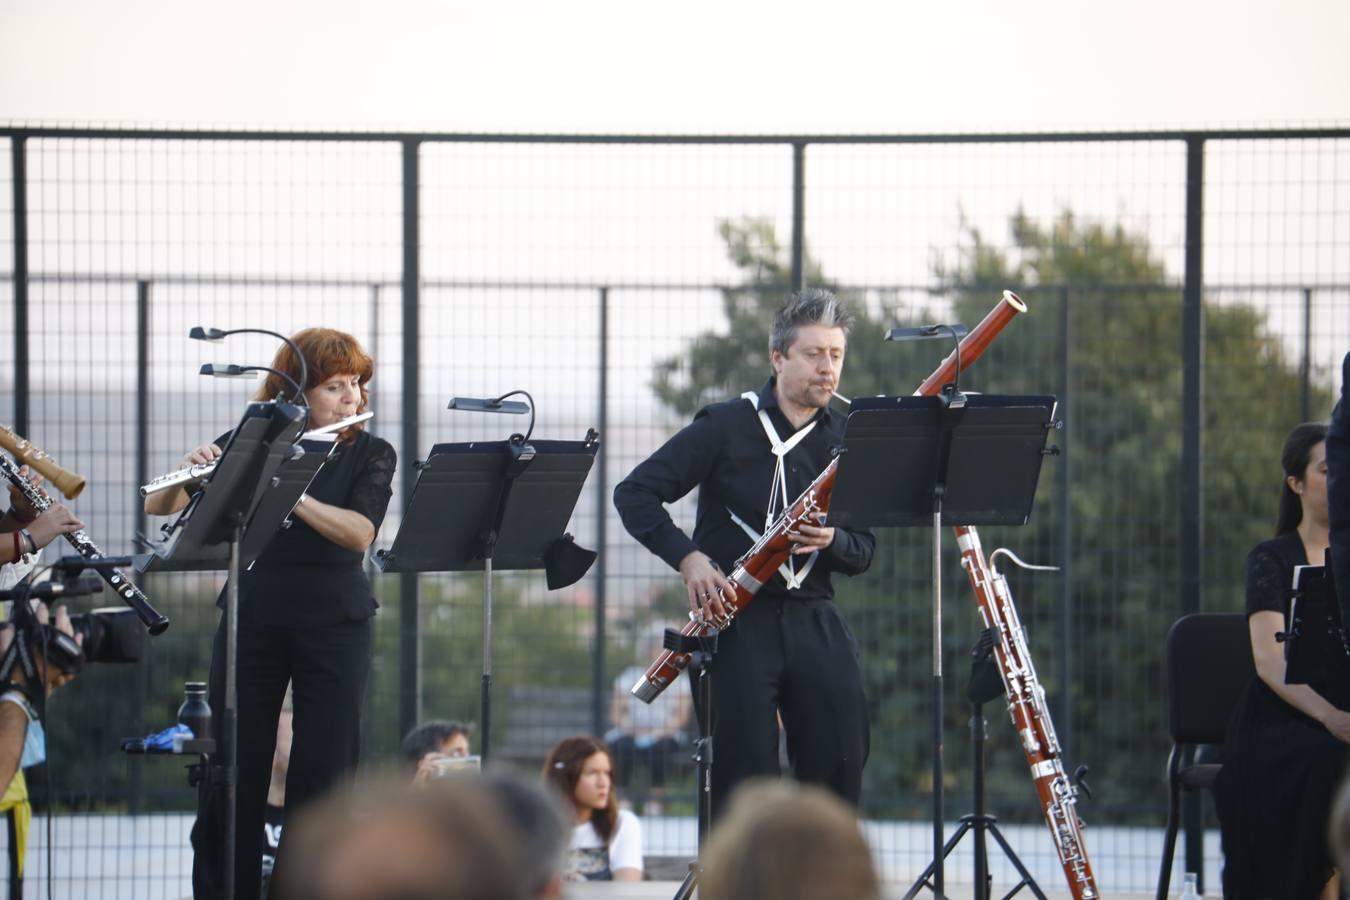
131, 595
199, 471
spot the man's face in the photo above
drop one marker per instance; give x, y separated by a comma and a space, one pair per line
808, 374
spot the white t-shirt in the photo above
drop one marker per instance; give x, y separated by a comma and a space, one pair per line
586, 856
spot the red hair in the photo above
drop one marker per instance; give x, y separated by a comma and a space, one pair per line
562, 771
327, 352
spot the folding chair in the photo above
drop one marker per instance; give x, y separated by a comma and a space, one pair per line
1209, 663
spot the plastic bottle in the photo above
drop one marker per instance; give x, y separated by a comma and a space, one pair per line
1189, 892
195, 713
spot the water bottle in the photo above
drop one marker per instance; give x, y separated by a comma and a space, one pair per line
1189, 892
195, 713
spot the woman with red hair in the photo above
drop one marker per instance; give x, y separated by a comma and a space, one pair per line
305, 608
606, 841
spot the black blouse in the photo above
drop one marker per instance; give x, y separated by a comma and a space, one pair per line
302, 578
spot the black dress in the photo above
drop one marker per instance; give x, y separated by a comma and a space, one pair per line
1281, 767
304, 618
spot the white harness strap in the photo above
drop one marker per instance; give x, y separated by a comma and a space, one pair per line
778, 498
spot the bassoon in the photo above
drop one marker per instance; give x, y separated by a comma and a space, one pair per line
762, 560
1030, 715
154, 621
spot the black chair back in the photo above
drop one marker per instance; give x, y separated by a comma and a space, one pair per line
1209, 663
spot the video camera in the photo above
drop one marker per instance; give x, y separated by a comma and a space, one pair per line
111, 635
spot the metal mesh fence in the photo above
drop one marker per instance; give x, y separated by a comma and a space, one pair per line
616, 280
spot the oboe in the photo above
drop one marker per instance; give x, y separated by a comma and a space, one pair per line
189, 474
762, 560
1030, 716
131, 595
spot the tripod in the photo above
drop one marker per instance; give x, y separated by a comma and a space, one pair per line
701, 649
984, 686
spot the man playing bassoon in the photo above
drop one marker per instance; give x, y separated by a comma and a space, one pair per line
788, 653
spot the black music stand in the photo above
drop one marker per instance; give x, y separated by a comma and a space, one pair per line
489, 505
954, 459
225, 517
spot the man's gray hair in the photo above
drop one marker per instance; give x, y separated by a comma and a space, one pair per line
812, 306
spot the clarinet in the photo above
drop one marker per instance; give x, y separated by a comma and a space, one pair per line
1030, 716
154, 621
761, 561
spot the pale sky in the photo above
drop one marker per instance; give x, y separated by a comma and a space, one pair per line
692, 66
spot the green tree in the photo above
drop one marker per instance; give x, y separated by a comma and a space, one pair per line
1104, 335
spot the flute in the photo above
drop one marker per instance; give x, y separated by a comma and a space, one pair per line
199, 471
131, 595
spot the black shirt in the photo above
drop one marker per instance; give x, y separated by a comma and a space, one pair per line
726, 454
301, 577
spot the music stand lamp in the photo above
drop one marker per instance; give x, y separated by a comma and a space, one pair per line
493, 506
966, 460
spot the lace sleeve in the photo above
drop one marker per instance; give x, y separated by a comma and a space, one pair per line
374, 483
1268, 578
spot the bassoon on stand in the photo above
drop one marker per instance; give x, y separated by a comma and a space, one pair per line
1030, 715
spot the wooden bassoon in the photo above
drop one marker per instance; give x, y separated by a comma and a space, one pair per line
1030, 715
762, 560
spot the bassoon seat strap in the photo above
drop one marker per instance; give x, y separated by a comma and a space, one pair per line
778, 497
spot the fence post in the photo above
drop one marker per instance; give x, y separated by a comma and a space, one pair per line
20, 191
1192, 446
599, 691
1305, 366
409, 643
798, 216
1064, 718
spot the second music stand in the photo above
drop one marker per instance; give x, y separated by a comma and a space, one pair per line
954, 459
489, 505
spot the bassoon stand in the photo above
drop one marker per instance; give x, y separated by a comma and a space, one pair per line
984, 686
968, 460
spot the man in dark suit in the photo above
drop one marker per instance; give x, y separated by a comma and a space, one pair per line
1338, 489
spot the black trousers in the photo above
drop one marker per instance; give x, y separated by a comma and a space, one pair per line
328, 667
798, 658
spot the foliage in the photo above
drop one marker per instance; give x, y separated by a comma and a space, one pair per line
1104, 334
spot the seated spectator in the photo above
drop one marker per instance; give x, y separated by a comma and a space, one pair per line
606, 842
646, 733
449, 841
785, 841
276, 794
427, 745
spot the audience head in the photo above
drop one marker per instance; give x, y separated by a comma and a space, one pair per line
437, 736
1304, 462
450, 840
541, 827
581, 770
786, 841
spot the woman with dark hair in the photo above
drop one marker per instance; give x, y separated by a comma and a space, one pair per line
305, 608
1286, 745
606, 841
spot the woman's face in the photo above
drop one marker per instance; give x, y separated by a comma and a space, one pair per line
333, 400
593, 785
1312, 487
